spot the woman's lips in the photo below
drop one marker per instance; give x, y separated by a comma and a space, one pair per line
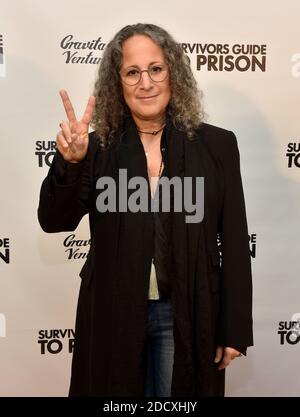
147, 98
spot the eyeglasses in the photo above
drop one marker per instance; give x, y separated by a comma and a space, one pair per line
132, 76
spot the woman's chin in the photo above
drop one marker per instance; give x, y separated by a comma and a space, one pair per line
148, 114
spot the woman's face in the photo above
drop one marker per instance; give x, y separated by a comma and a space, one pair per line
147, 99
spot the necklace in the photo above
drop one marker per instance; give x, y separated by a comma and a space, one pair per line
155, 132
159, 171
147, 152
161, 162
154, 180
149, 149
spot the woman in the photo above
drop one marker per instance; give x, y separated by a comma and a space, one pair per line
158, 313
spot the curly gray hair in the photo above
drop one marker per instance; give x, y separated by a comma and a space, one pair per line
184, 108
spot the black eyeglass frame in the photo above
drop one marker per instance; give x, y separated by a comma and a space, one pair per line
164, 68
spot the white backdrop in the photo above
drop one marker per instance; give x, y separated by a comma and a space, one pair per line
39, 279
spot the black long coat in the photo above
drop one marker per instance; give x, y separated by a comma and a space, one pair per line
212, 300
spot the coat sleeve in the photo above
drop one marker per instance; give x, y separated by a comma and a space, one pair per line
235, 325
65, 194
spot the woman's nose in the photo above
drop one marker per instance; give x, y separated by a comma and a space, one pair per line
146, 81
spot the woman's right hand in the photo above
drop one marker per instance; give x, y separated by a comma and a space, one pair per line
73, 138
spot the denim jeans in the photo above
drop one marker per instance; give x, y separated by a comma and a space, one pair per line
159, 349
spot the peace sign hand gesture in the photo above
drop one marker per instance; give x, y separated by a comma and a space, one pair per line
73, 138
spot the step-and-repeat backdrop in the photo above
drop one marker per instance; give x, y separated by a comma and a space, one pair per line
246, 58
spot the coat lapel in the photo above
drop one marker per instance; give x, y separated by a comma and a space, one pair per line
191, 303
131, 152
184, 161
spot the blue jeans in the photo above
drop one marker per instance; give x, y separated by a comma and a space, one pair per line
159, 349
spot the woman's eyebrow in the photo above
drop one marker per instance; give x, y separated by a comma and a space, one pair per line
151, 63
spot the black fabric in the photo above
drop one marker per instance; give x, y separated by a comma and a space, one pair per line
67, 172
161, 258
162, 221
212, 303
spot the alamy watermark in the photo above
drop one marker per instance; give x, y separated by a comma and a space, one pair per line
114, 195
